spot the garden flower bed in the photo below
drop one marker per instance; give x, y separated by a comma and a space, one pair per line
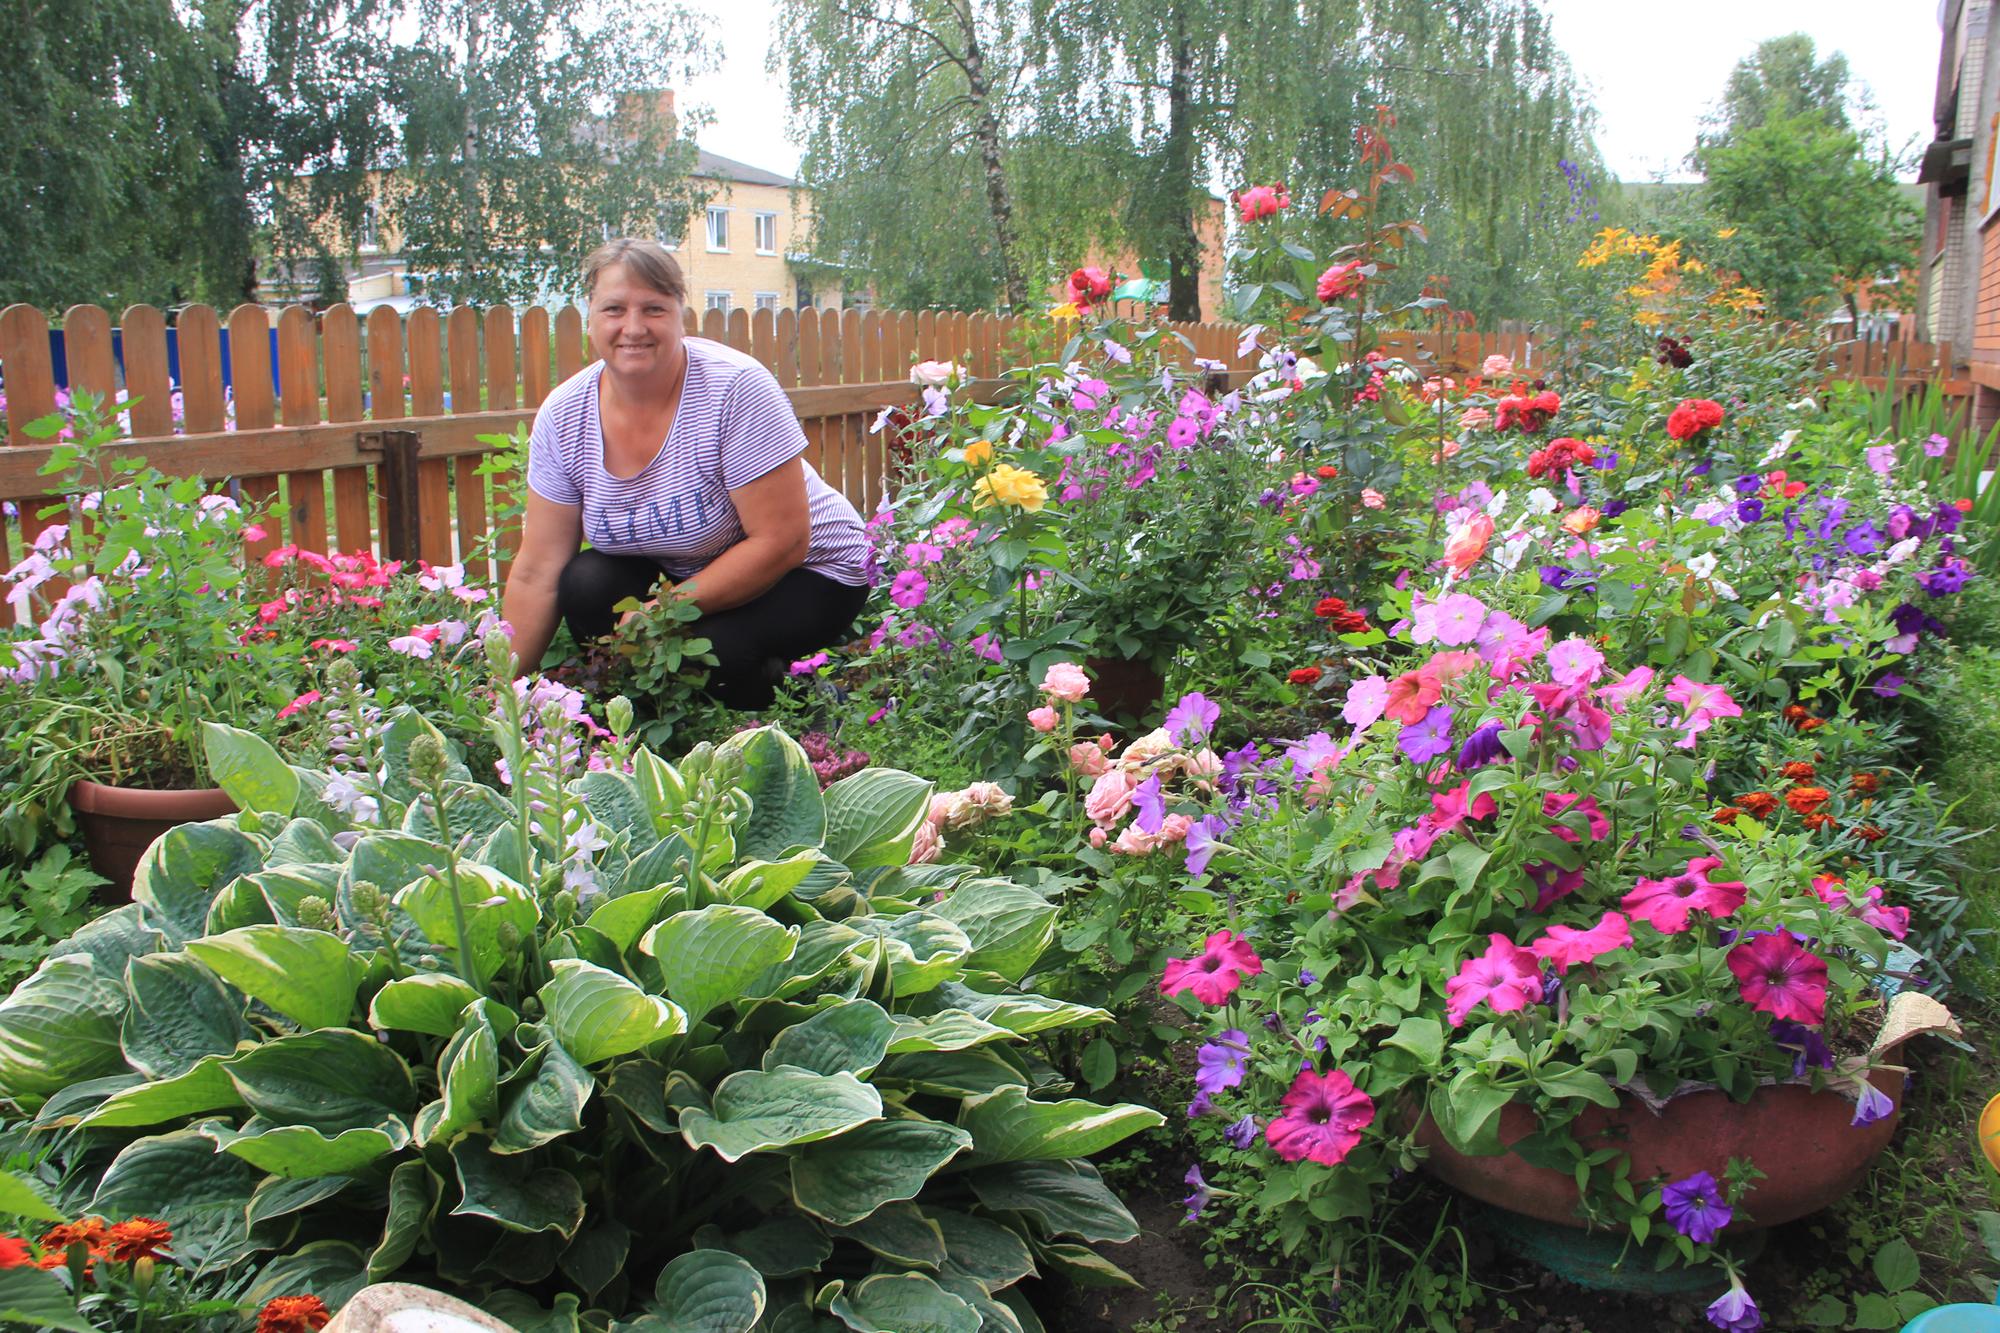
1306, 787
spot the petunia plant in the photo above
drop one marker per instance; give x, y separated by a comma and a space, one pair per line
625, 1039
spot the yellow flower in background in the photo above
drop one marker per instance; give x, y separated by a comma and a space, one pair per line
1067, 310
1725, 233
1010, 485
978, 453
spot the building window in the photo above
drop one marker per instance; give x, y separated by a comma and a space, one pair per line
718, 230
767, 301
371, 233
717, 301
668, 232
767, 233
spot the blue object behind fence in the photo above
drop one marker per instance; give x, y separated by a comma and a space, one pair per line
59, 356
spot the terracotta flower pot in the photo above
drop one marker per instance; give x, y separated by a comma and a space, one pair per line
1124, 685
120, 823
1805, 1142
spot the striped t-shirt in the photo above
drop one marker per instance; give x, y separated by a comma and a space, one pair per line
734, 424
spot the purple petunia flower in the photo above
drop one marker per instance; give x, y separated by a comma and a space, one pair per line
1811, 1048
1948, 517
1242, 1134
1888, 685
1190, 721
1482, 747
1306, 977
1748, 483
1703, 468
1219, 1064
1199, 1199
1935, 446
1946, 579
1734, 1311
1613, 508
1150, 804
1561, 577
1750, 510
1202, 837
1695, 1208
1200, 1106
1272, 499
1873, 1105
1863, 539
1427, 740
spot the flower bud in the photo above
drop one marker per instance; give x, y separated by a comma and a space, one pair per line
428, 760
369, 900
499, 651
618, 713
343, 674
509, 936
316, 913
553, 716
564, 905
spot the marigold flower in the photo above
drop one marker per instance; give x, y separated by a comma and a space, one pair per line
14, 1253
1868, 832
1726, 815
1805, 800
1801, 717
1816, 822
1306, 675
139, 1238
293, 1314
1865, 784
1760, 804
1798, 771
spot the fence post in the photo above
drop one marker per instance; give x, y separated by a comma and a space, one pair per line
396, 478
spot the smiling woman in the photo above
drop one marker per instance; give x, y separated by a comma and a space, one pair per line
679, 459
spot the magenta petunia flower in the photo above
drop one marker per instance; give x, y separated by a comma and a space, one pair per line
1781, 978
1616, 695
1667, 903
1551, 882
1566, 945
1554, 805
1506, 977
909, 590
1704, 702
1219, 969
1323, 1119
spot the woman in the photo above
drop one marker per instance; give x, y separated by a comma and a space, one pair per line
679, 456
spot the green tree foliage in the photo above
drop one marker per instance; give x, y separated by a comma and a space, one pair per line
1809, 204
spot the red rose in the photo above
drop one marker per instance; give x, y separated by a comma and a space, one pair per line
1088, 286
1329, 472
1692, 417
1305, 675
1340, 280
1329, 606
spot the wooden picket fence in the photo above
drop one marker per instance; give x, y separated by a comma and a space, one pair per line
302, 412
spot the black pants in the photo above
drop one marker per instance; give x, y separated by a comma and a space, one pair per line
756, 642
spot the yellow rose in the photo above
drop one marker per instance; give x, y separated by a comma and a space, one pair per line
978, 452
1010, 485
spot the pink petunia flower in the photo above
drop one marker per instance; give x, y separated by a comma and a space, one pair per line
1411, 696
1366, 698
1575, 662
1893, 921
1458, 618
1554, 805
1781, 978
1323, 1118
1551, 882
1619, 694
1564, 946
1704, 702
300, 704
1219, 969
1505, 977
1667, 903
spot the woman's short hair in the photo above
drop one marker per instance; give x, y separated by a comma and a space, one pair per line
647, 262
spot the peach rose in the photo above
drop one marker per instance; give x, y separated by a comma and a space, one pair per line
1110, 797
1066, 681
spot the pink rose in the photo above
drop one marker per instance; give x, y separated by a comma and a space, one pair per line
924, 846
1373, 498
1110, 797
1066, 681
1042, 719
1087, 759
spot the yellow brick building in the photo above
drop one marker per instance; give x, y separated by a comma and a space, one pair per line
736, 255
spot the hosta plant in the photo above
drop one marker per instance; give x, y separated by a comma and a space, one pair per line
690, 1045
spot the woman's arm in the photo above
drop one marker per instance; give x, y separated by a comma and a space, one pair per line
550, 535
777, 533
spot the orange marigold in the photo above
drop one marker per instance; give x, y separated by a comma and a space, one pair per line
14, 1253
1805, 800
1867, 784
1760, 804
1796, 714
140, 1238
1867, 832
1726, 815
1797, 771
92, 1231
293, 1314
1818, 822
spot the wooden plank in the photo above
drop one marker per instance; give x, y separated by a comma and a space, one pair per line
569, 342
853, 465
149, 391
868, 445
468, 487
899, 338
764, 339
31, 395
298, 393
385, 365
807, 372
340, 349
927, 335
785, 359
690, 322
256, 409
534, 355
501, 373
424, 333
87, 347
737, 331
714, 326
200, 339
832, 435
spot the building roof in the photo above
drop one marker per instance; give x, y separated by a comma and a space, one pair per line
716, 166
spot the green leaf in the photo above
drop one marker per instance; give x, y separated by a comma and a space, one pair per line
782, 1247
332, 1079
181, 873
545, 1099
1021, 1015
410, 1207
754, 1110
709, 1291
1874, 1311
787, 809
952, 1030
983, 1251
624, 920
428, 1002
1421, 1037
277, 1197
822, 947
305, 842
872, 817
904, 1303
249, 769
759, 884
597, 1014
1468, 1112
967, 1073
61, 1026
1099, 1064
406, 725
1009, 926
18, 1198
846, 1178
640, 1087
596, 1256
393, 861
179, 1013
204, 1087
180, 1178
1006, 1126
1085, 1266
1567, 1081
309, 976
1989, 1231
900, 1233
332, 1270
33, 1297
1897, 1267
300, 1152
491, 902
851, 1037
510, 1190
1067, 1198
923, 950
469, 1073
708, 957
1826, 1312
1910, 1304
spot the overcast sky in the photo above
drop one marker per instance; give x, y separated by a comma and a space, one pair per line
1653, 68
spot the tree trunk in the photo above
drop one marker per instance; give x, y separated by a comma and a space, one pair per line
1183, 242
999, 199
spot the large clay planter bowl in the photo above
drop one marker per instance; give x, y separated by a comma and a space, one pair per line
1803, 1141
120, 823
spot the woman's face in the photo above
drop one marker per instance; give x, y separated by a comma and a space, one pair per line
634, 330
